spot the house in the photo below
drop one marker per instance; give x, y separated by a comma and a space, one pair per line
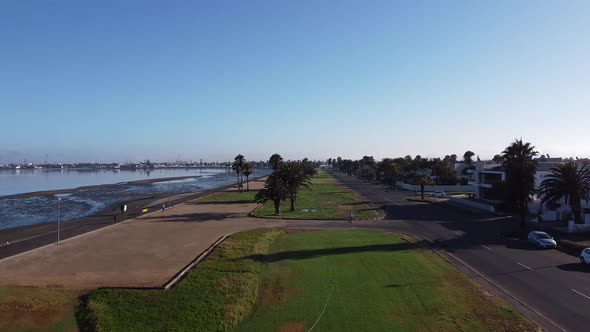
487, 175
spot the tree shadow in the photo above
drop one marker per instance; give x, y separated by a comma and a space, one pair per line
575, 267
237, 201
193, 217
313, 253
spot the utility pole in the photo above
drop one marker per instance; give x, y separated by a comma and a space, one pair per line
58, 216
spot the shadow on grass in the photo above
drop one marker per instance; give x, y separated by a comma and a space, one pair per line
306, 254
237, 201
358, 203
194, 217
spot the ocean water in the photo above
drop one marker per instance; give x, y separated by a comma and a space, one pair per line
85, 202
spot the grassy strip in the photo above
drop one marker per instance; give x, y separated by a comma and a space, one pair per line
326, 199
375, 282
215, 296
38, 309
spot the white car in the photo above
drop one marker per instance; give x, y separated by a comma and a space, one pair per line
585, 256
438, 194
542, 240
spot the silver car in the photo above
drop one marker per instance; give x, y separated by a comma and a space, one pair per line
542, 240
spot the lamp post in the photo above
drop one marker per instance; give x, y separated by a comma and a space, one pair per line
58, 216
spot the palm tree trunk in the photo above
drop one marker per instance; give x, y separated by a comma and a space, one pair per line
422, 190
292, 202
247, 184
577, 210
277, 207
523, 220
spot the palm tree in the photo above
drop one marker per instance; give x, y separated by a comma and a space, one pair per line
294, 176
247, 171
275, 161
569, 182
424, 180
274, 190
238, 167
520, 167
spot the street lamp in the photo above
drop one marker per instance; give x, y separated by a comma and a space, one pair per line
58, 216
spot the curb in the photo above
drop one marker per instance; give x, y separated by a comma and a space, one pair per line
180, 275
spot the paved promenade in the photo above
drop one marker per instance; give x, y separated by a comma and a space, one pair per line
143, 252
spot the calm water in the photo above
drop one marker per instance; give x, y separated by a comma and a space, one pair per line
84, 202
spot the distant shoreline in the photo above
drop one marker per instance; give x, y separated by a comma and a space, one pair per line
71, 190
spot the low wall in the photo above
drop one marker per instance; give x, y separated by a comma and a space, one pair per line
572, 227
471, 205
457, 188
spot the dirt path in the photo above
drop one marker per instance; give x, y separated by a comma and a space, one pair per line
143, 252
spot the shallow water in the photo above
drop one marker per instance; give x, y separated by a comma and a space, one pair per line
85, 202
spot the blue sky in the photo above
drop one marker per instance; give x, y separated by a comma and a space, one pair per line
161, 80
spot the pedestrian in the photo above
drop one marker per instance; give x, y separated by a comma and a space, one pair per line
163, 207
350, 217
115, 218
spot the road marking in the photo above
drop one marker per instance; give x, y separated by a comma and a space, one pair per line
495, 218
387, 199
526, 267
488, 248
505, 291
584, 295
459, 233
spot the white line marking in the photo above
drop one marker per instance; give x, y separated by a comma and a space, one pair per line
459, 233
488, 248
584, 295
387, 199
526, 267
505, 291
325, 306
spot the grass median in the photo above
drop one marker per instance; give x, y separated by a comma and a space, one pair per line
326, 198
370, 281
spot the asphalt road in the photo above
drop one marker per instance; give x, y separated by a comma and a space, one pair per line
550, 287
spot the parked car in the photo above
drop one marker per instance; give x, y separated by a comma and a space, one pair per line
542, 240
438, 194
585, 256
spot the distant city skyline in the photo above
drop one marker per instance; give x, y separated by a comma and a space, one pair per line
134, 80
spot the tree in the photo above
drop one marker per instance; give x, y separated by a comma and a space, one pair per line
274, 190
497, 158
275, 161
238, 167
424, 180
467, 157
520, 167
569, 182
293, 176
247, 171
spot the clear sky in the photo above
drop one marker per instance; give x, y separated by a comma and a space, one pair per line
132, 80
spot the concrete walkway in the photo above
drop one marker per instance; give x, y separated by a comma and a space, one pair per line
143, 252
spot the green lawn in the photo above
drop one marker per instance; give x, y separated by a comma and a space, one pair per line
215, 296
38, 309
370, 281
270, 280
326, 199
